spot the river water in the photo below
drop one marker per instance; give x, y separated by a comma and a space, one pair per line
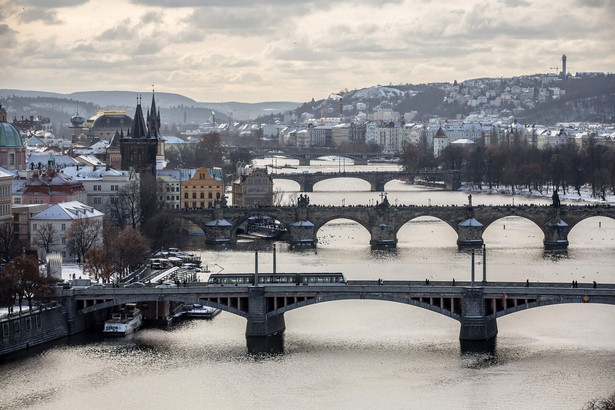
357, 354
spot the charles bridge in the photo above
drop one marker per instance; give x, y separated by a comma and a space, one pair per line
359, 158
376, 179
384, 222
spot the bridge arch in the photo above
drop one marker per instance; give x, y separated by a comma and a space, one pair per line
555, 301
362, 184
320, 224
159, 298
240, 223
287, 184
499, 231
592, 231
417, 223
402, 300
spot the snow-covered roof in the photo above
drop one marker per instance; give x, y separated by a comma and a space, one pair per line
5, 174
173, 140
68, 211
89, 173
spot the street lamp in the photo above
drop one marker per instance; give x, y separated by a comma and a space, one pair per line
343, 201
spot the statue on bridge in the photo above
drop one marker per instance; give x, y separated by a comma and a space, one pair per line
385, 201
220, 203
303, 201
555, 198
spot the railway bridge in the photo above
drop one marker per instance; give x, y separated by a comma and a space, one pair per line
476, 305
384, 222
376, 179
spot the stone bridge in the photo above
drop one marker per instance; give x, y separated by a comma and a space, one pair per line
475, 307
376, 179
359, 158
383, 223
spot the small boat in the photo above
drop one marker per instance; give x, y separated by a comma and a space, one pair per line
197, 311
124, 322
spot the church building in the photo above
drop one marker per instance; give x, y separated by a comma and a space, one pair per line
139, 148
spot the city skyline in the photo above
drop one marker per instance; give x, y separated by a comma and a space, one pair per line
293, 50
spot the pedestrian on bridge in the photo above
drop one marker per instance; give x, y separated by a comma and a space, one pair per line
527, 283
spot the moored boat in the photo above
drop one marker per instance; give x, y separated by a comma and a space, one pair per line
197, 311
124, 322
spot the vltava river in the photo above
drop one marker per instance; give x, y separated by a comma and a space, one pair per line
358, 354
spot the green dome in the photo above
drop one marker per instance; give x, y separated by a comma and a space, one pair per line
9, 136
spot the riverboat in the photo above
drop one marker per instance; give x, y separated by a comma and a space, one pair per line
197, 311
263, 228
124, 322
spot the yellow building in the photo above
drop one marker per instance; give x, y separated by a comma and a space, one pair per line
203, 188
253, 187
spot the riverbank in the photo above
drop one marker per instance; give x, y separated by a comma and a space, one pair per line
570, 196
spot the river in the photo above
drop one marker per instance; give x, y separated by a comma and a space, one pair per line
357, 354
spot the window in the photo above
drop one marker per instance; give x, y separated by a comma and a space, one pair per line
63, 227
34, 227
63, 241
64, 254
11, 159
194, 195
97, 200
202, 204
186, 195
28, 323
5, 329
194, 204
202, 195
209, 195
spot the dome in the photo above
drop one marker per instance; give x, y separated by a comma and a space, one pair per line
77, 120
9, 136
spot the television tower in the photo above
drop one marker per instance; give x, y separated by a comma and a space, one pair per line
564, 66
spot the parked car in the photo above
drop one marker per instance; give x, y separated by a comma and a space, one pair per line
135, 285
96, 286
166, 285
63, 285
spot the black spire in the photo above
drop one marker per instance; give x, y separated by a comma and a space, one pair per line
153, 120
138, 124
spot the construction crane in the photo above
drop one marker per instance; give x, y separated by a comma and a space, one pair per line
556, 68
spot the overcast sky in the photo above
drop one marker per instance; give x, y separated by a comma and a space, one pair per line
292, 50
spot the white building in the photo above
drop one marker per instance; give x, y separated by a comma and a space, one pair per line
101, 183
59, 218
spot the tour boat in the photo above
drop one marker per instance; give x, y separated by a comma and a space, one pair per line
197, 311
124, 322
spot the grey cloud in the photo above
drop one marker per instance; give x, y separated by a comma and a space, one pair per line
516, 3
124, 30
38, 14
320, 4
54, 3
151, 17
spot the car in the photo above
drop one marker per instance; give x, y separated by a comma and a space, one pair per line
96, 286
166, 285
135, 285
63, 285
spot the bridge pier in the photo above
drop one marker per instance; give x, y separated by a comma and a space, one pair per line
383, 237
218, 232
264, 334
301, 234
556, 234
478, 332
304, 161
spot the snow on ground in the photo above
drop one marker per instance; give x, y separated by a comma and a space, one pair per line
571, 195
70, 272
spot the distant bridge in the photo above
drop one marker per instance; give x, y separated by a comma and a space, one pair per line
376, 179
359, 158
383, 223
475, 305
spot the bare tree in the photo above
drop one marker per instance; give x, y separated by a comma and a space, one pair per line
96, 263
31, 285
83, 235
125, 209
8, 240
47, 236
129, 250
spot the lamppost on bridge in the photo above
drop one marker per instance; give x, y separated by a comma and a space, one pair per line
343, 201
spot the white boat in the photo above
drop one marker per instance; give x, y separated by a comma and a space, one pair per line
124, 322
197, 311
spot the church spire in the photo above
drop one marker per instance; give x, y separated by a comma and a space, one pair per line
153, 119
